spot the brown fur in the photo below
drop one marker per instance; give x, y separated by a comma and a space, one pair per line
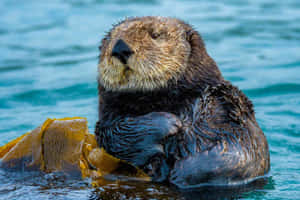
155, 62
172, 89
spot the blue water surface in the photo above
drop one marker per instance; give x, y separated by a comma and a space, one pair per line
48, 68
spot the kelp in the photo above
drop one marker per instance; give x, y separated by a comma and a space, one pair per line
65, 145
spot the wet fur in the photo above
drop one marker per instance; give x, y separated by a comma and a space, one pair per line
191, 128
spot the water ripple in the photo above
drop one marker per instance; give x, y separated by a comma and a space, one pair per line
48, 68
274, 90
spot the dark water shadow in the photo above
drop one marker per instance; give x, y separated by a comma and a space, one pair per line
256, 189
60, 184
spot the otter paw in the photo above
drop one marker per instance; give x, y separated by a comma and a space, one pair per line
164, 124
147, 133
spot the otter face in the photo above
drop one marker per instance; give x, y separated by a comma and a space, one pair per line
143, 54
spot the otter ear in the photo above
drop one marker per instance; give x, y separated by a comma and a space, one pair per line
100, 47
103, 42
189, 35
194, 39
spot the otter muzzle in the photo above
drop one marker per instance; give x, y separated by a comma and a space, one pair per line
121, 51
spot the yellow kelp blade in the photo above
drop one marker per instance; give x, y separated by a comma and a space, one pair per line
64, 145
6, 148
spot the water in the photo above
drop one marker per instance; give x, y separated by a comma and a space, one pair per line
48, 59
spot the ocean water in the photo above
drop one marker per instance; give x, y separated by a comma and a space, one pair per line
48, 68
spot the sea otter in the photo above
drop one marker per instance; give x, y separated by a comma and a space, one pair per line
165, 107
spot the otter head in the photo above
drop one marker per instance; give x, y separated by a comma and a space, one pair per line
148, 53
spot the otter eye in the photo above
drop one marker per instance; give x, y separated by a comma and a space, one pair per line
155, 35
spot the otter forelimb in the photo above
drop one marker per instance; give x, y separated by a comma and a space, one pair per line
137, 139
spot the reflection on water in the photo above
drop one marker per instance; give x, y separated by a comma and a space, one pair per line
148, 191
61, 186
48, 68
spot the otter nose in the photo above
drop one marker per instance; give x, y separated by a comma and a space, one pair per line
121, 51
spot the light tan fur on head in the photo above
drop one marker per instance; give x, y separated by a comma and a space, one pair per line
161, 54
